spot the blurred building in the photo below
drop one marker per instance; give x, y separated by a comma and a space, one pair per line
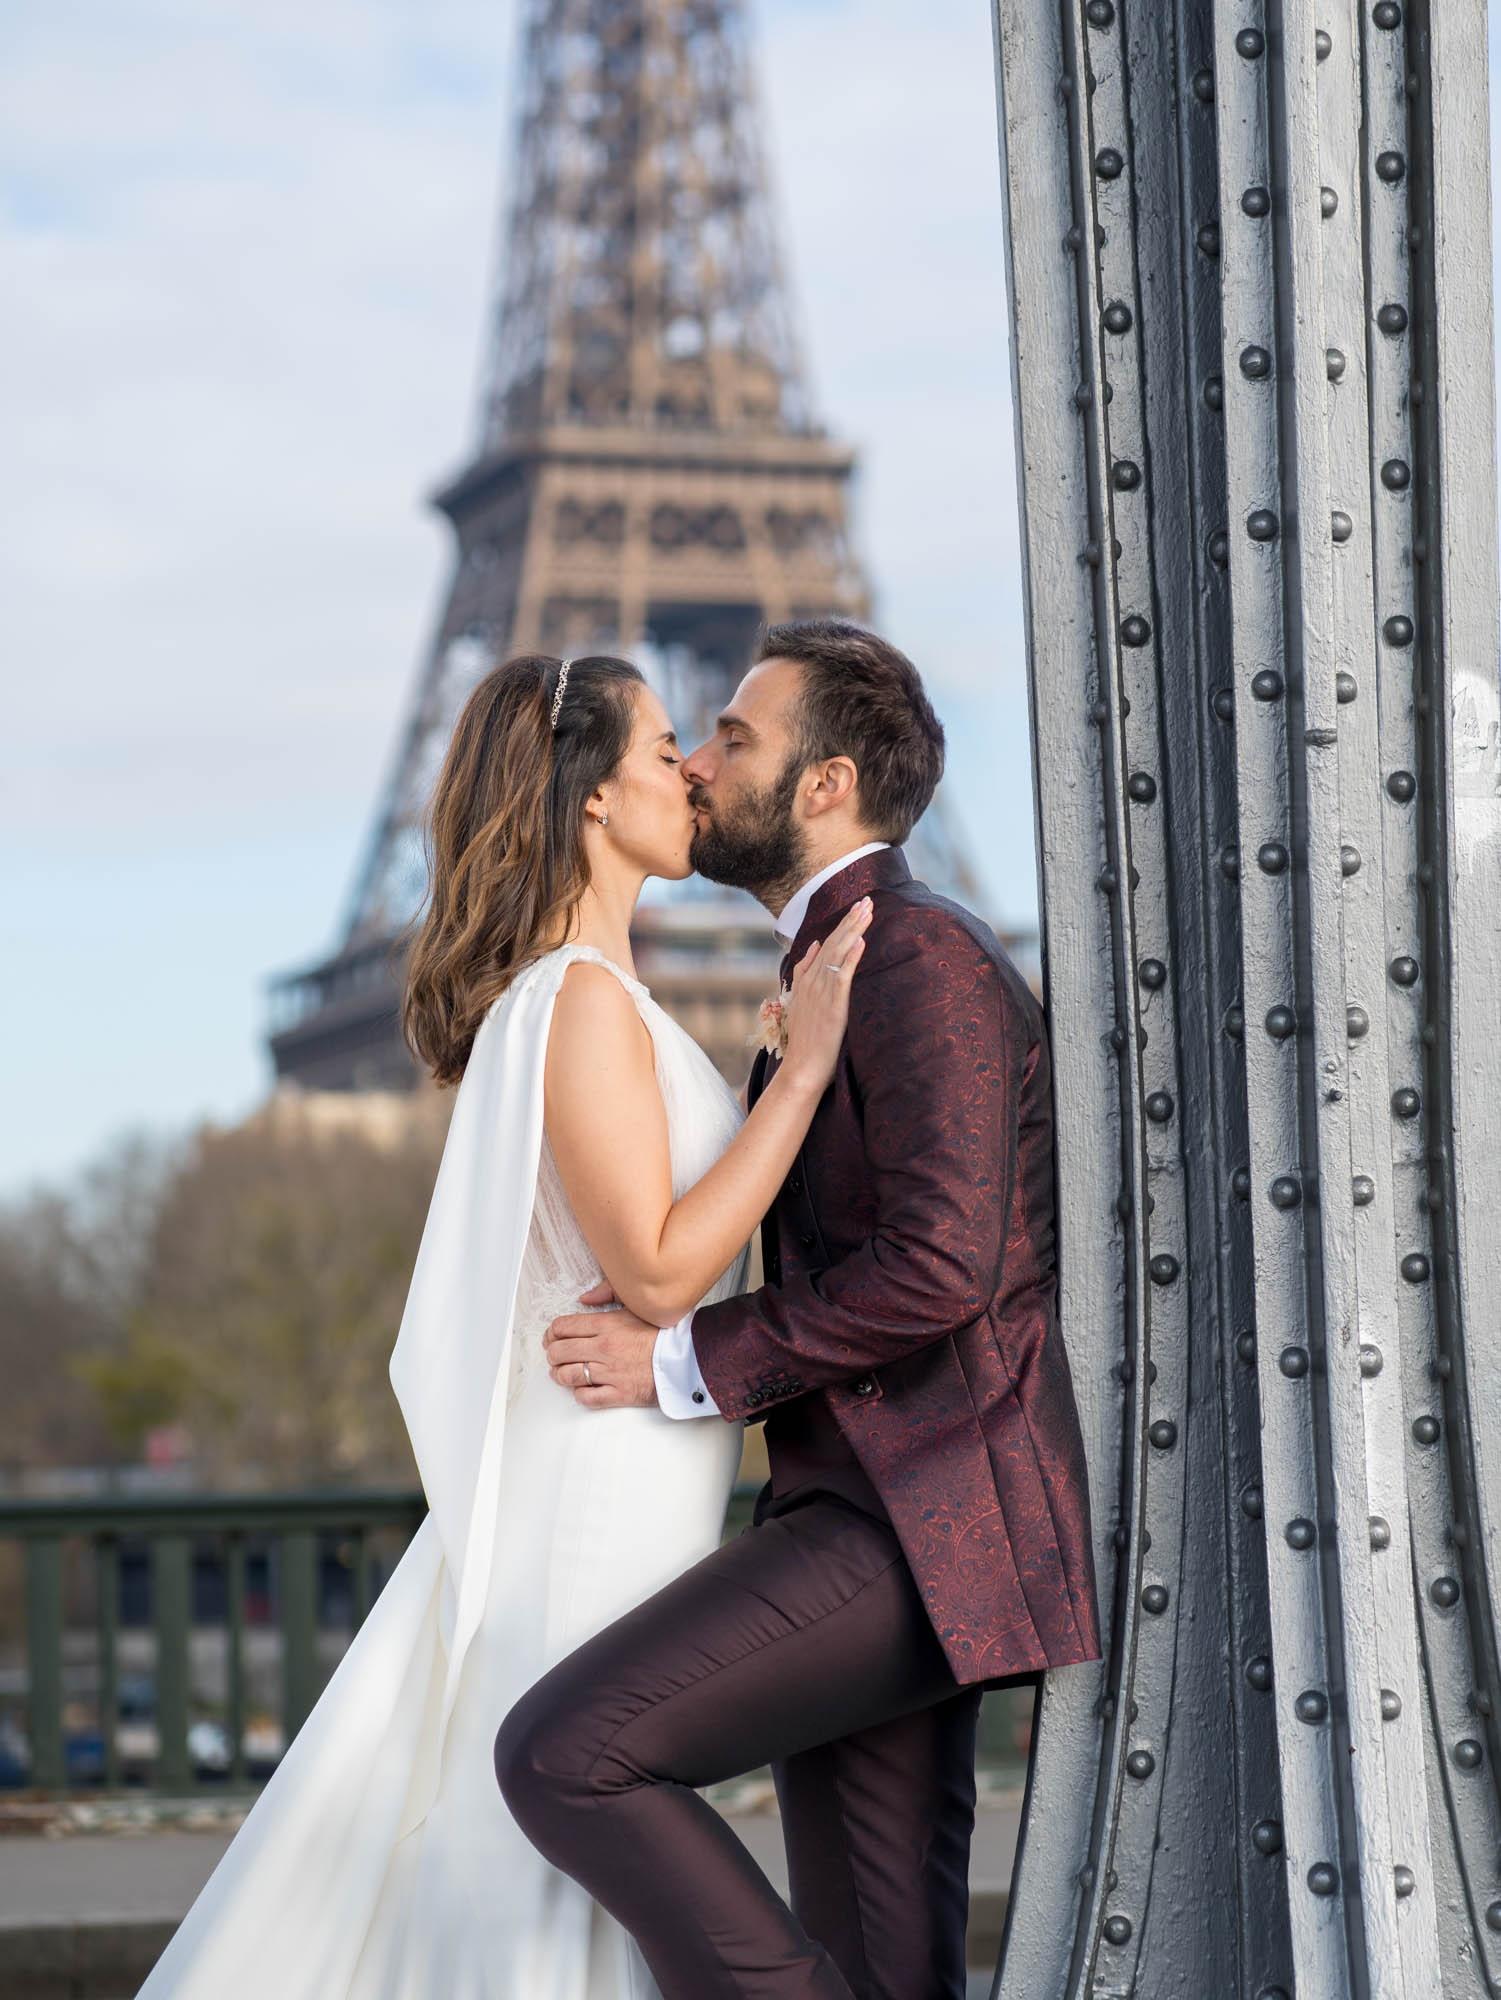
647, 479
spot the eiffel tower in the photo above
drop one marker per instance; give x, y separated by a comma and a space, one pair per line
647, 480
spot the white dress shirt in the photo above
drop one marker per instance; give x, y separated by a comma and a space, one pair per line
681, 1389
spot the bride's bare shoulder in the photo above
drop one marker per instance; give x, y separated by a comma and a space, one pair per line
595, 1022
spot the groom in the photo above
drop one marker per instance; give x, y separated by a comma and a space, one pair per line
924, 1534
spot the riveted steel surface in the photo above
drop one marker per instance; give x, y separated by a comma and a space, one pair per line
1248, 250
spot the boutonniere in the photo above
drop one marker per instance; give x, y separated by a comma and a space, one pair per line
770, 1031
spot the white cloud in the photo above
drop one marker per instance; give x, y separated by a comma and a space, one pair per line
248, 253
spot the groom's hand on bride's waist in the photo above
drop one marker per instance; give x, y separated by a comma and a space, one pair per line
603, 1358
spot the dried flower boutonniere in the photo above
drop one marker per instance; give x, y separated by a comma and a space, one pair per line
770, 1032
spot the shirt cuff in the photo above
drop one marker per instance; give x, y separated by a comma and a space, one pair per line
681, 1389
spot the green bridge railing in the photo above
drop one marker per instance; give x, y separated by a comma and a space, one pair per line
141, 1637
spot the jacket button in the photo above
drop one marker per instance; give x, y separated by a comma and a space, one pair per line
794, 1184
806, 1240
864, 1386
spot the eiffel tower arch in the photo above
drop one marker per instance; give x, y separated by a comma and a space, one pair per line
647, 480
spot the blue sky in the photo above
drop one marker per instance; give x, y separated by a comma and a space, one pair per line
248, 250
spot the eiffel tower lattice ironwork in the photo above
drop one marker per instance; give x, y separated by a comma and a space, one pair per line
647, 480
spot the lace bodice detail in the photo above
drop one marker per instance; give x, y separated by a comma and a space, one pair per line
703, 1116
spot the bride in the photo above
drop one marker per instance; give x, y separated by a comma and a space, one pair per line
379, 1862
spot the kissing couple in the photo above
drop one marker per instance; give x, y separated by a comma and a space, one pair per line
496, 1797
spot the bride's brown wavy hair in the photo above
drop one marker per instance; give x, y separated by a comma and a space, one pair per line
504, 834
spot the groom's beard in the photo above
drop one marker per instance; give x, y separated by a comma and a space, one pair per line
756, 844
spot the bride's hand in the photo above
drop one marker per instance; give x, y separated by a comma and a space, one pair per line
819, 1009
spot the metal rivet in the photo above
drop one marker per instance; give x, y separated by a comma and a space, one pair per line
1341, 527
1117, 317
1390, 167
1380, 1532
1362, 1190
1092, 557
1391, 1704
1117, 1039
1493, 1916
1402, 786
1222, 701
1214, 392
1256, 202
1312, 1706
1334, 364
1468, 1754
1108, 163
1245, 1344
1209, 239
1163, 1269
1346, 688
1397, 631
1459, 1535
1240, 1183
1251, 1503
1235, 1022
1261, 525
1404, 971
1357, 1023
1073, 236
1266, 1836
1281, 1022
1255, 364
1152, 973
1284, 1192
1154, 1599
1230, 862
1083, 396
1163, 1434
1135, 630
1125, 475
1392, 318
1203, 86
1396, 475
1349, 859
1425, 1430
1293, 1361
1387, 14
1403, 1880
1117, 1930
1445, 1592
1414, 1267
1159, 1107
1323, 1878
1300, 1533
1328, 202
1370, 1359
1141, 787
1141, 1764
1219, 548
1259, 1673
1406, 1103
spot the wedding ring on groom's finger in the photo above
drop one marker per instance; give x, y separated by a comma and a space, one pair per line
587, 1376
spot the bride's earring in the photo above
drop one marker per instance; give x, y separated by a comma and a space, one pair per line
603, 820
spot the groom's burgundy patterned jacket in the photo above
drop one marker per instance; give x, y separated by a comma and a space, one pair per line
913, 1240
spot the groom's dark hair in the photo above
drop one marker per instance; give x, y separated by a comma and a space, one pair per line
863, 699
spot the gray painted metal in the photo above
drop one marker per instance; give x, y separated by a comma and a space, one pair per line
1249, 268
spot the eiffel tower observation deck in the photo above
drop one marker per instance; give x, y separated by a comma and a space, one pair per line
648, 480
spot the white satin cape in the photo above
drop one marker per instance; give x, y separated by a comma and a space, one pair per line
311, 1900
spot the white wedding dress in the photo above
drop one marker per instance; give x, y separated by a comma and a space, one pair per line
379, 1862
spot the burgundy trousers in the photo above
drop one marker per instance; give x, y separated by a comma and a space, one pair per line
801, 1644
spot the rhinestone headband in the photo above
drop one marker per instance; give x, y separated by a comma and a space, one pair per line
557, 700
